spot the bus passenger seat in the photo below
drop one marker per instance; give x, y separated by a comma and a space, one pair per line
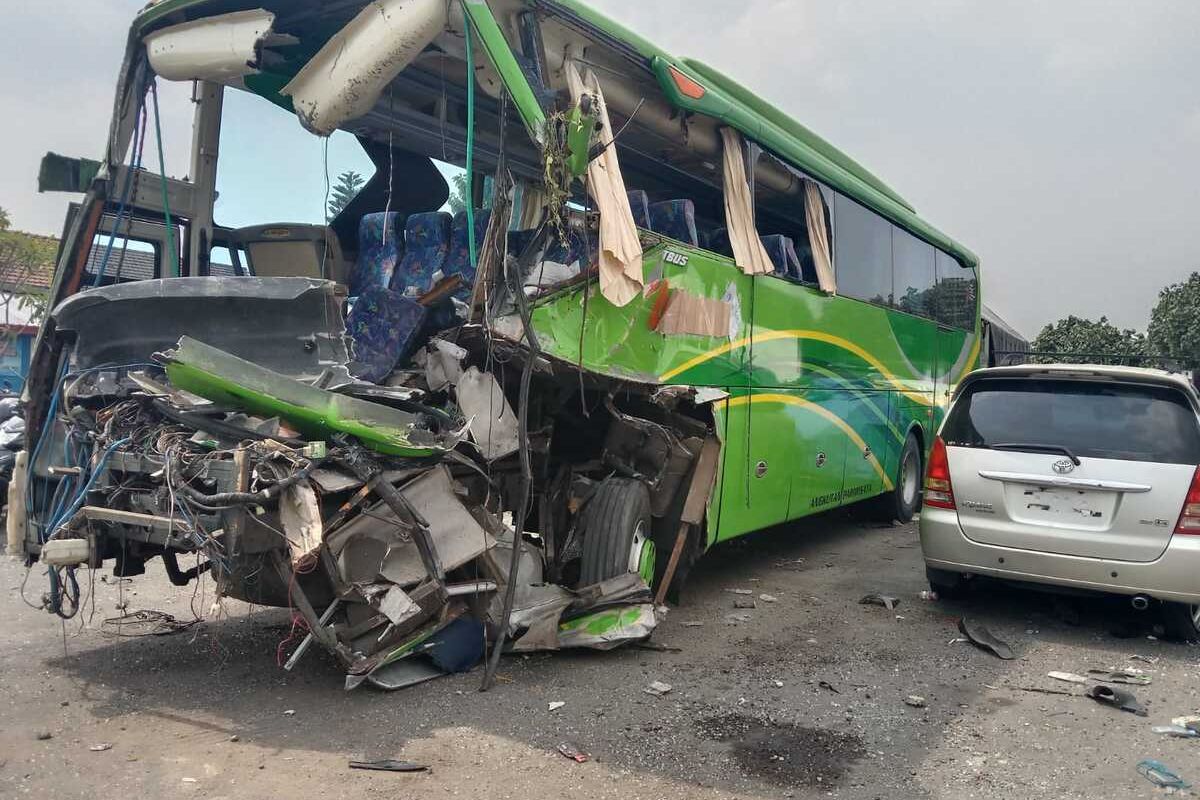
458, 262
782, 251
676, 219
427, 243
718, 242
382, 325
639, 204
380, 246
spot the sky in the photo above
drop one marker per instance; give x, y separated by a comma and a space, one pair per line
1058, 140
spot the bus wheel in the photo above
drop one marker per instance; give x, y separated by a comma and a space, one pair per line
902, 501
617, 533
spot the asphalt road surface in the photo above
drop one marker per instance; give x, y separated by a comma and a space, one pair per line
803, 696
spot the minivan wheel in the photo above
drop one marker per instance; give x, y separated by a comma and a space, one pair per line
617, 533
901, 503
1181, 621
948, 585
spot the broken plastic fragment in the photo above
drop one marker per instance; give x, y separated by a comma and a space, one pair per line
984, 639
1117, 698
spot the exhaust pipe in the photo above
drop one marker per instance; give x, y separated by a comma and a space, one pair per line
1140, 602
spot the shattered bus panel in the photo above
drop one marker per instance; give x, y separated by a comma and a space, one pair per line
668, 315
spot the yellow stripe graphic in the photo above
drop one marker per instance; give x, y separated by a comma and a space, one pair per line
787, 399
816, 336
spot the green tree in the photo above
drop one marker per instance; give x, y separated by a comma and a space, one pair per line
347, 186
1092, 339
458, 193
1175, 322
5, 222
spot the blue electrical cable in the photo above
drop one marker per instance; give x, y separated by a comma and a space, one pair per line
135, 160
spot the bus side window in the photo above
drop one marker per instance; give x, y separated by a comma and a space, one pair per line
225, 261
862, 252
955, 297
914, 273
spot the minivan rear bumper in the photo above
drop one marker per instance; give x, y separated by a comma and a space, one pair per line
1173, 576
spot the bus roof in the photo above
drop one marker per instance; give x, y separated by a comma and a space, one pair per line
727, 101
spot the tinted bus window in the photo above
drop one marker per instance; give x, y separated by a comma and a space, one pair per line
1092, 419
863, 252
914, 273
956, 293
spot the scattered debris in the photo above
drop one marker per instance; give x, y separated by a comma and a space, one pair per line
100, 748
1127, 676
1117, 698
768, 598
740, 591
573, 752
915, 700
44, 735
235, 738
1177, 731
1187, 721
829, 686
693, 624
1161, 775
1144, 659
744, 602
390, 765
887, 601
291, 712
929, 595
146, 622
1036, 690
657, 688
189, 780
736, 619
981, 637
777, 684
1069, 677
555, 705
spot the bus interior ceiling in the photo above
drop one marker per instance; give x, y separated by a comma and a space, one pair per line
418, 468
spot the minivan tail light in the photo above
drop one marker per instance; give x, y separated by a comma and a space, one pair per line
1189, 518
938, 491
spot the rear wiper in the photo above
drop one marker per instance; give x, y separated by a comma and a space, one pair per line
1038, 448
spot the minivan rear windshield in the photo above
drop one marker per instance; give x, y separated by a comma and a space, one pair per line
1096, 419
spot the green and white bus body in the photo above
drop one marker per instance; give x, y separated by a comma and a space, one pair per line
817, 384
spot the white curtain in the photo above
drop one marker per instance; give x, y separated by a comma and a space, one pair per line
748, 250
620, 247
818, 237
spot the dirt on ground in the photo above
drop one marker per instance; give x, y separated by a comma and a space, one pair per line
807, 694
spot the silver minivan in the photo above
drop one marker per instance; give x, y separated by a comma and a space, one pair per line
1074, 476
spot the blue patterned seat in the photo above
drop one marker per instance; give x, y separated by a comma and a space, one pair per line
717, 241
383, 326
458, 262
380, 247
639, 204
676, 219
783, 255
427, 243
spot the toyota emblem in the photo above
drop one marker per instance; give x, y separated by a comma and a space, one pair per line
1064, 466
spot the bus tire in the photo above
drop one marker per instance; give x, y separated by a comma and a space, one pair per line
617, 532
902, 502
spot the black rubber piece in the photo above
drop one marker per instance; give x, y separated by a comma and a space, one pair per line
610, 520
891, 506
1178, 622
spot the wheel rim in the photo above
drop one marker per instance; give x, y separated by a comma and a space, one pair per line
642, 554
909, 478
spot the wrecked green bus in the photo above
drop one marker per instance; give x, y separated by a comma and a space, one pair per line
666, 315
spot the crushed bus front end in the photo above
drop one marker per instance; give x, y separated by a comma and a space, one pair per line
520, 423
